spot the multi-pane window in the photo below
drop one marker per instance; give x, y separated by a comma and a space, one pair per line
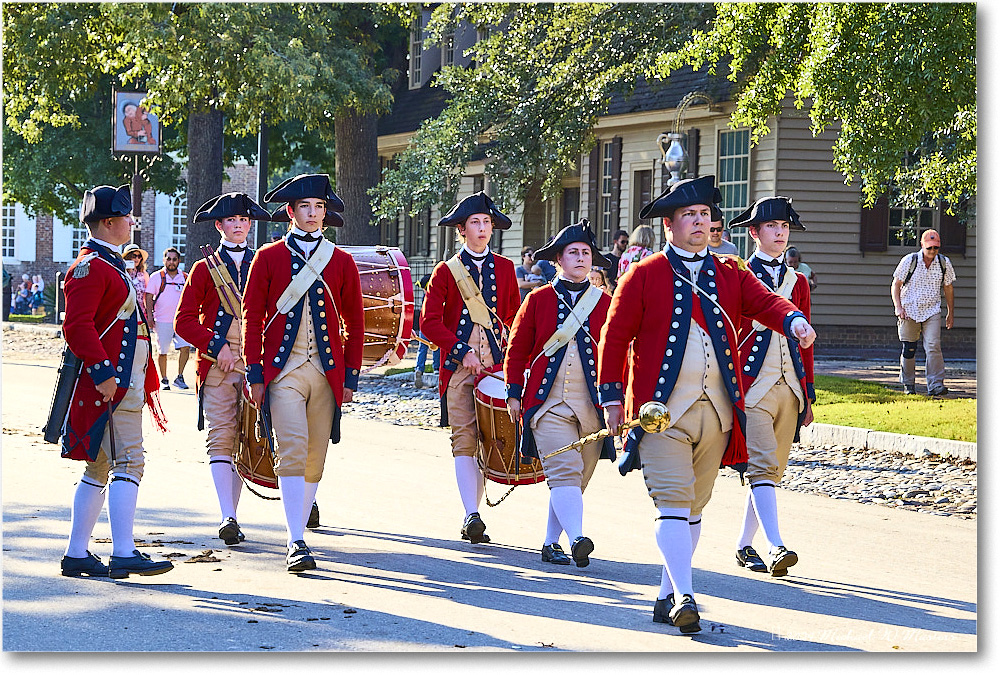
642, 194
9, 230
80, 235
906, 225
571, 206
734, 181
178, 223
416, 47
607, 163
448, 49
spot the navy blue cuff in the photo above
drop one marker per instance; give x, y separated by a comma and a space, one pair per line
215, 345
255, 373
515, 391
351, 378
787, 324
811, 392
101, 371
459, 351
610, 392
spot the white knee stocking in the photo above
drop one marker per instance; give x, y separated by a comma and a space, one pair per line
553, 528
765, 503
673, 537
223, 476
87, 504
307, 501
749, 523
470, 482
292, 494
122, 497
567, 502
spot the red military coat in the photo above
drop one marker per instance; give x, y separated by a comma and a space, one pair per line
534, 324
270, 273
200, 319
95, 290
652, 312
751, 359
444, 319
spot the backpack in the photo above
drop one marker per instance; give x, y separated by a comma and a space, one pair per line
913, 268
163, 284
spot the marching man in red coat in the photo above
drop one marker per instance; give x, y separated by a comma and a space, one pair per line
470, 302
555, 338
678, 311
298, 366
778, 379
208, 316
106, 330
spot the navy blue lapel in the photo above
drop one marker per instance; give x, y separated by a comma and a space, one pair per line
107, 254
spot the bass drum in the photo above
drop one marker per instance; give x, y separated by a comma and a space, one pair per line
387, 291
499, 437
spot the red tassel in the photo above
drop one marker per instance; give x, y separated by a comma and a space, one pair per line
156, 410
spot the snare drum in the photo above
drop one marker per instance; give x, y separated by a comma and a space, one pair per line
387, 291
254, 457
499, 437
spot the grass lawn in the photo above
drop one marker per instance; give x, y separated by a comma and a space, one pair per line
870, 405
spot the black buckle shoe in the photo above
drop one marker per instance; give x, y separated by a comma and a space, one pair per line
661, 610
782, 560
747, 557
553, 553
91, 565
685, 615
581, 549
230, 532
299, 558
313, 521
137, 563
474, 529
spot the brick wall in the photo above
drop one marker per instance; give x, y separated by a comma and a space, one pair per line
883, 341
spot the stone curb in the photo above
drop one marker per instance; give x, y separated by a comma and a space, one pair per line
869, 439
45, 328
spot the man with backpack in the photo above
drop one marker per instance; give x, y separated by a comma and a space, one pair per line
163, 292
918, 284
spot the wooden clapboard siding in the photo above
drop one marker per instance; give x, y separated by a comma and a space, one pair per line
853, 288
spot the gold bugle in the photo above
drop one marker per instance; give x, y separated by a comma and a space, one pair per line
653, 418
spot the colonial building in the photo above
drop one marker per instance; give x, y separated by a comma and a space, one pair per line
852, 250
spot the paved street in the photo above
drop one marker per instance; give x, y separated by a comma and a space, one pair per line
394, 576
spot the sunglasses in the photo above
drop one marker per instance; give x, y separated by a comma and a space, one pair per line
715, 229
932, 248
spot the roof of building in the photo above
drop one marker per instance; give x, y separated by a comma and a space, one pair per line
413, 106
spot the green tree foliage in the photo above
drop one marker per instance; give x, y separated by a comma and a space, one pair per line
542, 80
897, 81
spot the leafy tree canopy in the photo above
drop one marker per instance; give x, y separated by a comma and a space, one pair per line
897, 81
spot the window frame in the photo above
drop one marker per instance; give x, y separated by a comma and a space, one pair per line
741, 238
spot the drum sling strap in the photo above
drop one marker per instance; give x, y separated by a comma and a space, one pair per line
568, 329
473, 297
312, 270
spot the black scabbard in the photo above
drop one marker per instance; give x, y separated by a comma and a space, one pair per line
69, 372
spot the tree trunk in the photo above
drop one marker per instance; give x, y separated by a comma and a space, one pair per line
204, 179
357, 172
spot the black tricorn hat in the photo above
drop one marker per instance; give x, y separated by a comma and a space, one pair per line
105, 201
331, 219
769, 208
229, 205
571, 234
685, 193
477, 203
307, 186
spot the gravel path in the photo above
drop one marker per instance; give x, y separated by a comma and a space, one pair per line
943, 486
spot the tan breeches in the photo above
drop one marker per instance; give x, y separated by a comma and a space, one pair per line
558, 427
302, 407
770, 430
461, 401
219, 405
681, 463
126, 422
